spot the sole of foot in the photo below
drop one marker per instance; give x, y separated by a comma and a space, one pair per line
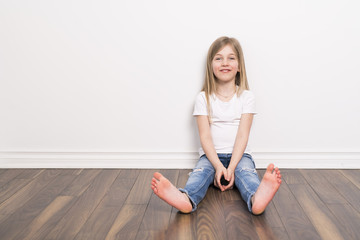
268, 187
166, 191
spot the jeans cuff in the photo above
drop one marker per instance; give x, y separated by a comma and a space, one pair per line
249, 203
194, 205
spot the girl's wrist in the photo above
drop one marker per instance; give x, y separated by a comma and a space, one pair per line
218, 166
232, 168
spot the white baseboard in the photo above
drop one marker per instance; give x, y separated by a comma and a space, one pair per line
98, 160
318, 160
171, 160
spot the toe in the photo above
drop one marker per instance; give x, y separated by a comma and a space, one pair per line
157, 175
270, 168
153, 184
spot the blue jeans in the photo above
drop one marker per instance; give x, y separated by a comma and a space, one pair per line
246, 178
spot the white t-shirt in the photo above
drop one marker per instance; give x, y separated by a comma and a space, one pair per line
226, 118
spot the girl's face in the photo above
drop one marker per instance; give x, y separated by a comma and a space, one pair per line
225, 65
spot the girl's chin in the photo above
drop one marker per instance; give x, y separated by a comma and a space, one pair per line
222, 80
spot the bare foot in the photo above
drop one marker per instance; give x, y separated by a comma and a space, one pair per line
267, 189
164, 189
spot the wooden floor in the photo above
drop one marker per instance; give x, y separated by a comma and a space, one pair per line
119, 204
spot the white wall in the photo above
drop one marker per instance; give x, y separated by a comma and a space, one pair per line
121, 76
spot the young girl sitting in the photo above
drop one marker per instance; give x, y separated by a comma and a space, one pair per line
224, 113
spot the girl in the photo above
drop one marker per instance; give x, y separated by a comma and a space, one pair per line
224, 113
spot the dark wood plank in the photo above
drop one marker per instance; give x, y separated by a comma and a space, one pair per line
292, 215
100, 222
210, 216
313, 175
231, 195
158, 212
344, 186
57, 209
293, 176
280, 233
131, 173
325, 223
10, 188
141, 192
136, 203
3, 218
322, 187
20, 198
353, 175
348, 217
9, 174
47, 219
30, 173
70, 171
75, 218
24, 215
81, 183
239, 224
121, 188
182, 226
127, 223
265, 230
151, 235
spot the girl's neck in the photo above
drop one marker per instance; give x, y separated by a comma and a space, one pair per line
225, 91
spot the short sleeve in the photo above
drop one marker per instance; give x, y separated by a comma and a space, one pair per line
249, 102
200, 107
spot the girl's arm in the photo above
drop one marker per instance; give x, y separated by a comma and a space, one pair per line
241, 141
209, 149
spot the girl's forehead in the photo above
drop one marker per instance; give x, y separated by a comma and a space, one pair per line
227, 49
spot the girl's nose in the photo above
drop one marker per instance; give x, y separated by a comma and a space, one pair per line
224, 62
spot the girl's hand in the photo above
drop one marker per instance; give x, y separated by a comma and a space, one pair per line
230, 177
220, 171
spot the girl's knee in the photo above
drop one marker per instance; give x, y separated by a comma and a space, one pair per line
203, 164
246, 170
203, 168
202, 171
246, 163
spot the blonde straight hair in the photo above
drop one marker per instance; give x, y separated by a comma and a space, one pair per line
210, 80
